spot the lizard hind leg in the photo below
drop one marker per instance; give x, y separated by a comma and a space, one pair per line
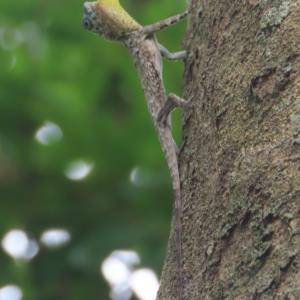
173, 101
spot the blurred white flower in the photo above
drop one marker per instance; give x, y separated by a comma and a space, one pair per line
17, 244
54, 238
49, 133
144, 284
78, 170
11, 292
128, 257
115, 271
121, 292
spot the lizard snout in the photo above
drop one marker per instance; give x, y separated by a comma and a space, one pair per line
87, 15
86, 22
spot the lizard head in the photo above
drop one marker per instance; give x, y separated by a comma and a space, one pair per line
90, 21
108, 19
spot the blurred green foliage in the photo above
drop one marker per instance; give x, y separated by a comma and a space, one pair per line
52, 70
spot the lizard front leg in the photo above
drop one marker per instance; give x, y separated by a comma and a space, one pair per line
150, 29
180, 55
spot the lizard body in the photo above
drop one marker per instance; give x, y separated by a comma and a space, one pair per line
108, 19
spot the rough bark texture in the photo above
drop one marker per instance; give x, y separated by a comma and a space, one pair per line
240, 162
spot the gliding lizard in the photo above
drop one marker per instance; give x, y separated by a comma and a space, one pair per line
109, 19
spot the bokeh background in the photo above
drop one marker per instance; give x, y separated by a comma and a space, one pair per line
82, 175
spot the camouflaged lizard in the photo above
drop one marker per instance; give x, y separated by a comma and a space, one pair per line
109, 19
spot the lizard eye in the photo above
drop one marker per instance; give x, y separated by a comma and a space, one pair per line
86, 22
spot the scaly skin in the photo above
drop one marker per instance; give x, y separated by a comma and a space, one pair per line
114, 21
107, 18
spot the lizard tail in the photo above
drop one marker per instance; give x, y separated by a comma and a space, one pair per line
178, 241
169, 150
178, 220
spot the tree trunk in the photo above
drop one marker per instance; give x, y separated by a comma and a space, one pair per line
240, 160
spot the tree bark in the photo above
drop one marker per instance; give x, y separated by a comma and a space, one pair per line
240, 159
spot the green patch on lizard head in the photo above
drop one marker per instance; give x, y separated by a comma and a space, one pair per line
108, 19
